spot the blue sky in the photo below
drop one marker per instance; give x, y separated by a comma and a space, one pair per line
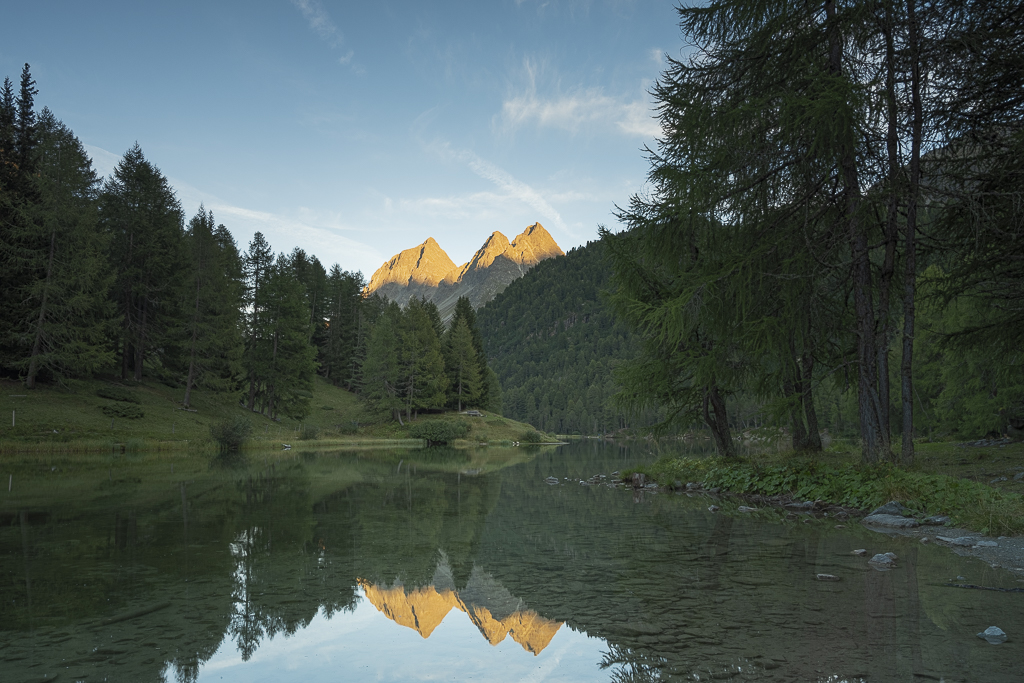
357, 129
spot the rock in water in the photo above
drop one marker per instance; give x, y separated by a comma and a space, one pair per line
994, 635
937, 520
963, 541
860, 551
744, 508
894, 521
826, 577
884, 559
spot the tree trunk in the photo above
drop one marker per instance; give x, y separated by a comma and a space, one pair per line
793, 389
910, 272
126, 336
718, 422
251, 405
140, 347
192, 352
813, 432
891, 229
37, 343
874, 442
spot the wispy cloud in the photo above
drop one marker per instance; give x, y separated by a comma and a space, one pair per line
318, 19
511, 187
321, 23
575, 110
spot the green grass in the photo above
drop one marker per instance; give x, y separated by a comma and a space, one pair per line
946, 479
54, 420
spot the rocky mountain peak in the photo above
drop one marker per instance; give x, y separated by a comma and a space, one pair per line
426, 270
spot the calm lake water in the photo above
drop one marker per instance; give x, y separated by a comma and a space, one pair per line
452, 566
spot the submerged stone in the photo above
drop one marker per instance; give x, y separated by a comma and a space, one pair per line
884, 559
994, 635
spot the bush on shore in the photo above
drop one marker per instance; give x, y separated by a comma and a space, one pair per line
232, 432
439, 431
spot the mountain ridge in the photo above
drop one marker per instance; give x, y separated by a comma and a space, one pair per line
427, 271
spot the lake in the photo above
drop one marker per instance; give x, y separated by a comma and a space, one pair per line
446, 565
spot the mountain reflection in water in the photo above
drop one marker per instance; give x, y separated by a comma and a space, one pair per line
313, 566
491, 608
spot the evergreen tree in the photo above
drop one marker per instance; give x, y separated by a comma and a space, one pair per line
423, 382
257, 265
143, 218
289, 366
461, 363
344, 327
63, 334
380, 369
212, 297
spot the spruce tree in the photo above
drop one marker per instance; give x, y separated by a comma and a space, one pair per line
381, 372
211, 346
143, 219
461, 363
63, 334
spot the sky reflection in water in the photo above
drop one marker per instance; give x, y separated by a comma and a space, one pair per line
366, 645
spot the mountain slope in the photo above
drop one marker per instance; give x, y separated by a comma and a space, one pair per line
554, 344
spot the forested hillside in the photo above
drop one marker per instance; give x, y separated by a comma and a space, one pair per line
555, 345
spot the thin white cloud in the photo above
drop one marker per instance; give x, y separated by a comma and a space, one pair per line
318, 19
322, 24
576, 110
512, 188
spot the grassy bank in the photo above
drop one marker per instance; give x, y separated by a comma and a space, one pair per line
974, 486
148, 416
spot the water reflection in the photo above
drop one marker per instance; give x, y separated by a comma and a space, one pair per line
471, 565
491, 608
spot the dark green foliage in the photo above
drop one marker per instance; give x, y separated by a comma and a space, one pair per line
343, 328
554, 344
439, 431
461, 364
117, 394
231, 434
309, 433
127, 411
63, 333
279, 359
144, 220
208, 342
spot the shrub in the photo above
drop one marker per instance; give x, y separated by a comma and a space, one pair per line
531, 436
117, 394
231, 433
348, 428
309, 433
439, 431
127, 411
